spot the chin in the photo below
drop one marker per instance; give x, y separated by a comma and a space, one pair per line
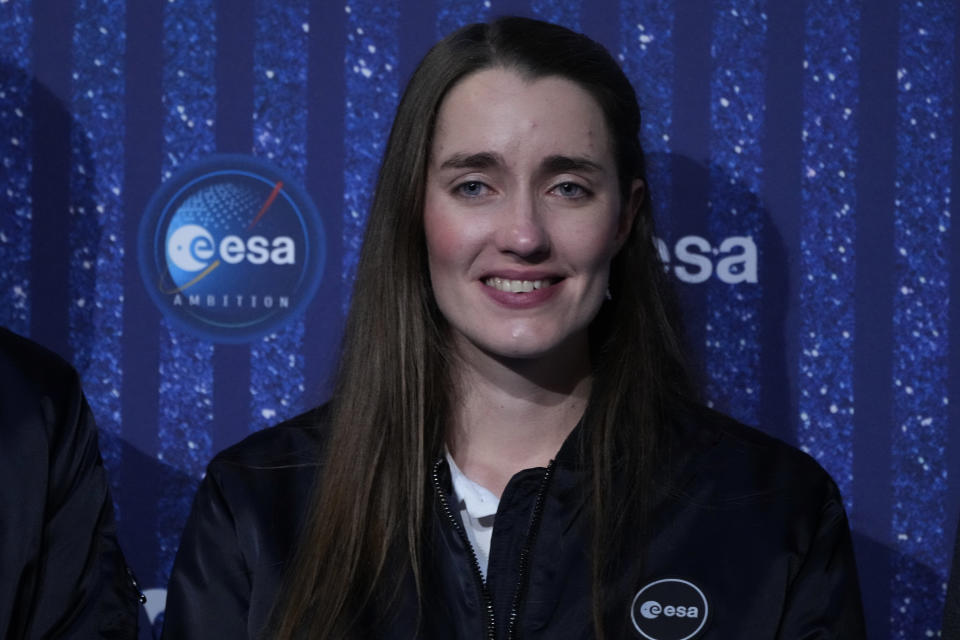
522, 342
522, 354
532, 348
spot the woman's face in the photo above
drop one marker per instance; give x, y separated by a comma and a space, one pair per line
522, 214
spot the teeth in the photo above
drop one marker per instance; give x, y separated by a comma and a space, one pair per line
515, 286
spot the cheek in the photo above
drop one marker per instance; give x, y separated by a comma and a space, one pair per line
445, 241
594, 246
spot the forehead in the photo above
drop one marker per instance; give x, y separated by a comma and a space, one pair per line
500, 110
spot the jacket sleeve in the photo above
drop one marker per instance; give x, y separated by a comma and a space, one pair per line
58, 535
84, 568
823, 600
209, 591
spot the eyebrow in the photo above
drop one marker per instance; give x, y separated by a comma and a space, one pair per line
550, 164
562, 164
482, 160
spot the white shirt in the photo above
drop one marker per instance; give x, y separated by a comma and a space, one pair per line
478, 506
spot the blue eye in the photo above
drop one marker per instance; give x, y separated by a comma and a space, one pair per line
471, 189
570, 190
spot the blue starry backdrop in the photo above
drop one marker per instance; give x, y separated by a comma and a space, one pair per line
802, 157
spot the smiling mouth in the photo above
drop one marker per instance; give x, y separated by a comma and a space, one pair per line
517, 286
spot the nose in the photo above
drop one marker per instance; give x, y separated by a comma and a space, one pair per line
522, 230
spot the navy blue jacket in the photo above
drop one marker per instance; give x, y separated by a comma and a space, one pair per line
62, 574
750, 542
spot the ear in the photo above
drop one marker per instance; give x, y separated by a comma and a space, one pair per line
638, 191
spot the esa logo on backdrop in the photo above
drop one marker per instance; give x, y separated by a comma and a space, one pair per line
230, 248
733, 260
670, 609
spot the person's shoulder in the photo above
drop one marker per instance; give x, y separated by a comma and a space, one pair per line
283, 439
41, 401
28, 368
260, 487
269, 468
747, 461
292, 443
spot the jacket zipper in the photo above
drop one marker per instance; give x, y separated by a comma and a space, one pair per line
524, 552
490, 628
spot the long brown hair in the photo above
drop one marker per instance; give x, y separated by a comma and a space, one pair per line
393, 393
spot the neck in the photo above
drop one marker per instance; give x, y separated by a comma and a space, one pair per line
515, 414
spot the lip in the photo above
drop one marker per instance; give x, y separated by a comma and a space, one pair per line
525, 299
522, 274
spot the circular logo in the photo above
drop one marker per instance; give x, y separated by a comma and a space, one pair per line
230, 248
669, 609
650, 609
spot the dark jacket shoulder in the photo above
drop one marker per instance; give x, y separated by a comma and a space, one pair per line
292, 442
747, 463
242, 529
62, 573
761, 526
31, 375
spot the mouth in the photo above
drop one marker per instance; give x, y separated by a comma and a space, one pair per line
518, 286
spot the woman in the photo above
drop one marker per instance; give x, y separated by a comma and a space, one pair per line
508, 358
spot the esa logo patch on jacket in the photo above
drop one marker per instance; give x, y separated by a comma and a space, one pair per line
670, 609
